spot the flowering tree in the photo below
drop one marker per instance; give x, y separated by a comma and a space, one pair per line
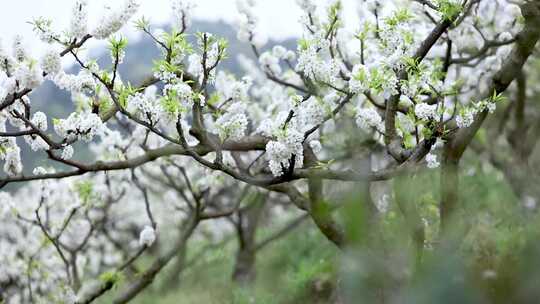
406, 88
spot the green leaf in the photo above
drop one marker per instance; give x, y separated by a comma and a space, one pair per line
110, 278
142, 24
449, 9
85, 189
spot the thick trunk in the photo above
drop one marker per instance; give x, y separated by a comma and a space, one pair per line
246, 227
449, 191
244, 267
319, 210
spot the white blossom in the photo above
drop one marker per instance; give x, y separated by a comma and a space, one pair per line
233, 123
182, 11
314, 67
8, 85
233, 127
247, 23
368, 118
78, 26
195, 67
39, 171
307, 6
183, 92
431, 160
279, 51
36, 142
19, 51
39, 119
279, 153
145, 107
67, 152
29, 76
425, 111
529, 202
465, 119
147, 237
73, 83
83, 126
12, 162
113, 21
359, 79
270, 63
51, 62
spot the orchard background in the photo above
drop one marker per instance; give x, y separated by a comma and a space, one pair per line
387, 157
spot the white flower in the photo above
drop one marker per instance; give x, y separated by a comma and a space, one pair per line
511, 13
83, 126
307, 62
36, 143
316, 68
309, 113
78, 27
67, 153
489, 274
51, 62
247, 21
147, 236
39, 119
529, 202
39, 171
113, 21
270, 63
491, 107
505, 36
359, 79
431, 160
73, 83
8, 85
307, 6
232, 126
45, 31
13, 164
19, 51
29, 76
146, 107
465, 119
182, 11
68, 296
195, 67
290, 55
425, 111
227, 86
279, 153
279, 51
367, 118
183, 92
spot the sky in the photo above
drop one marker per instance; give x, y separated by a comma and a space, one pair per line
278, 19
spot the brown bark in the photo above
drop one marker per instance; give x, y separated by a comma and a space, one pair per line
248, 221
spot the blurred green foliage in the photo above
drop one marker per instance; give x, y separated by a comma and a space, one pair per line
495, 259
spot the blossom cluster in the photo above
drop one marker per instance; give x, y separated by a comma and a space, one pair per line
112, 21
286, 150
79, 126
